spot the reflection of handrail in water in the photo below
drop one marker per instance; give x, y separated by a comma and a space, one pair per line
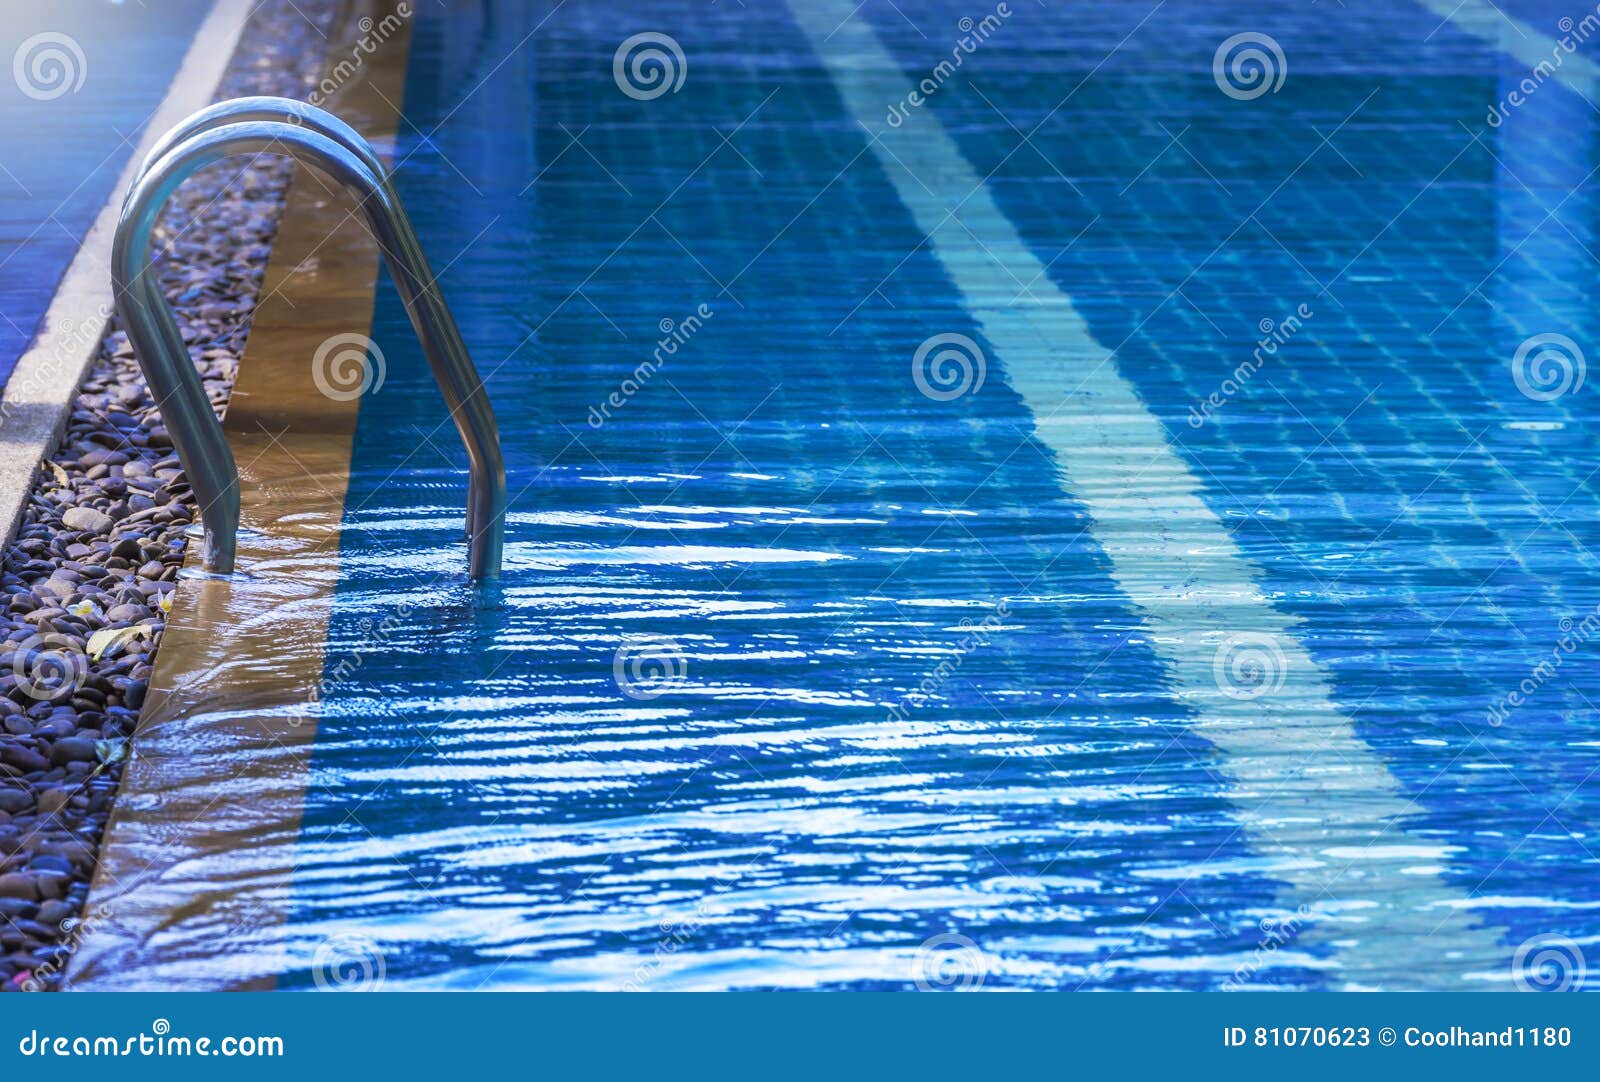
322, 140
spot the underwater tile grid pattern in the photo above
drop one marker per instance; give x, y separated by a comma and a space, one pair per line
1041, 495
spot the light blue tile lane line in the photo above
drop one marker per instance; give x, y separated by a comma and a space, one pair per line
1523, 43
1316, 801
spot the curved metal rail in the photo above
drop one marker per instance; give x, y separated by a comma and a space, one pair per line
321, 140
289, 111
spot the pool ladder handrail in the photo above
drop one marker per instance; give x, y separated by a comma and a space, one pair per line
313, 136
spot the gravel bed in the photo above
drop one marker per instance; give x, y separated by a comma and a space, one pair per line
101, 542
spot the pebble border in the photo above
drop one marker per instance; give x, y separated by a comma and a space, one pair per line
86, 584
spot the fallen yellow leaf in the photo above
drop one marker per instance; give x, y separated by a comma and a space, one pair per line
109, 639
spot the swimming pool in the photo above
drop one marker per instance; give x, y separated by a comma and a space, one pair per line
1095, 522
84, 80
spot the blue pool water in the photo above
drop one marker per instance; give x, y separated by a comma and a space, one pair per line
913, 692
78, 84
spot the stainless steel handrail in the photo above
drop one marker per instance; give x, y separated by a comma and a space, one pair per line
321, 140
303, 114
270, 110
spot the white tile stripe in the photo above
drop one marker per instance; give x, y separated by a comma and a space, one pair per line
1522, 42
1316, 801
